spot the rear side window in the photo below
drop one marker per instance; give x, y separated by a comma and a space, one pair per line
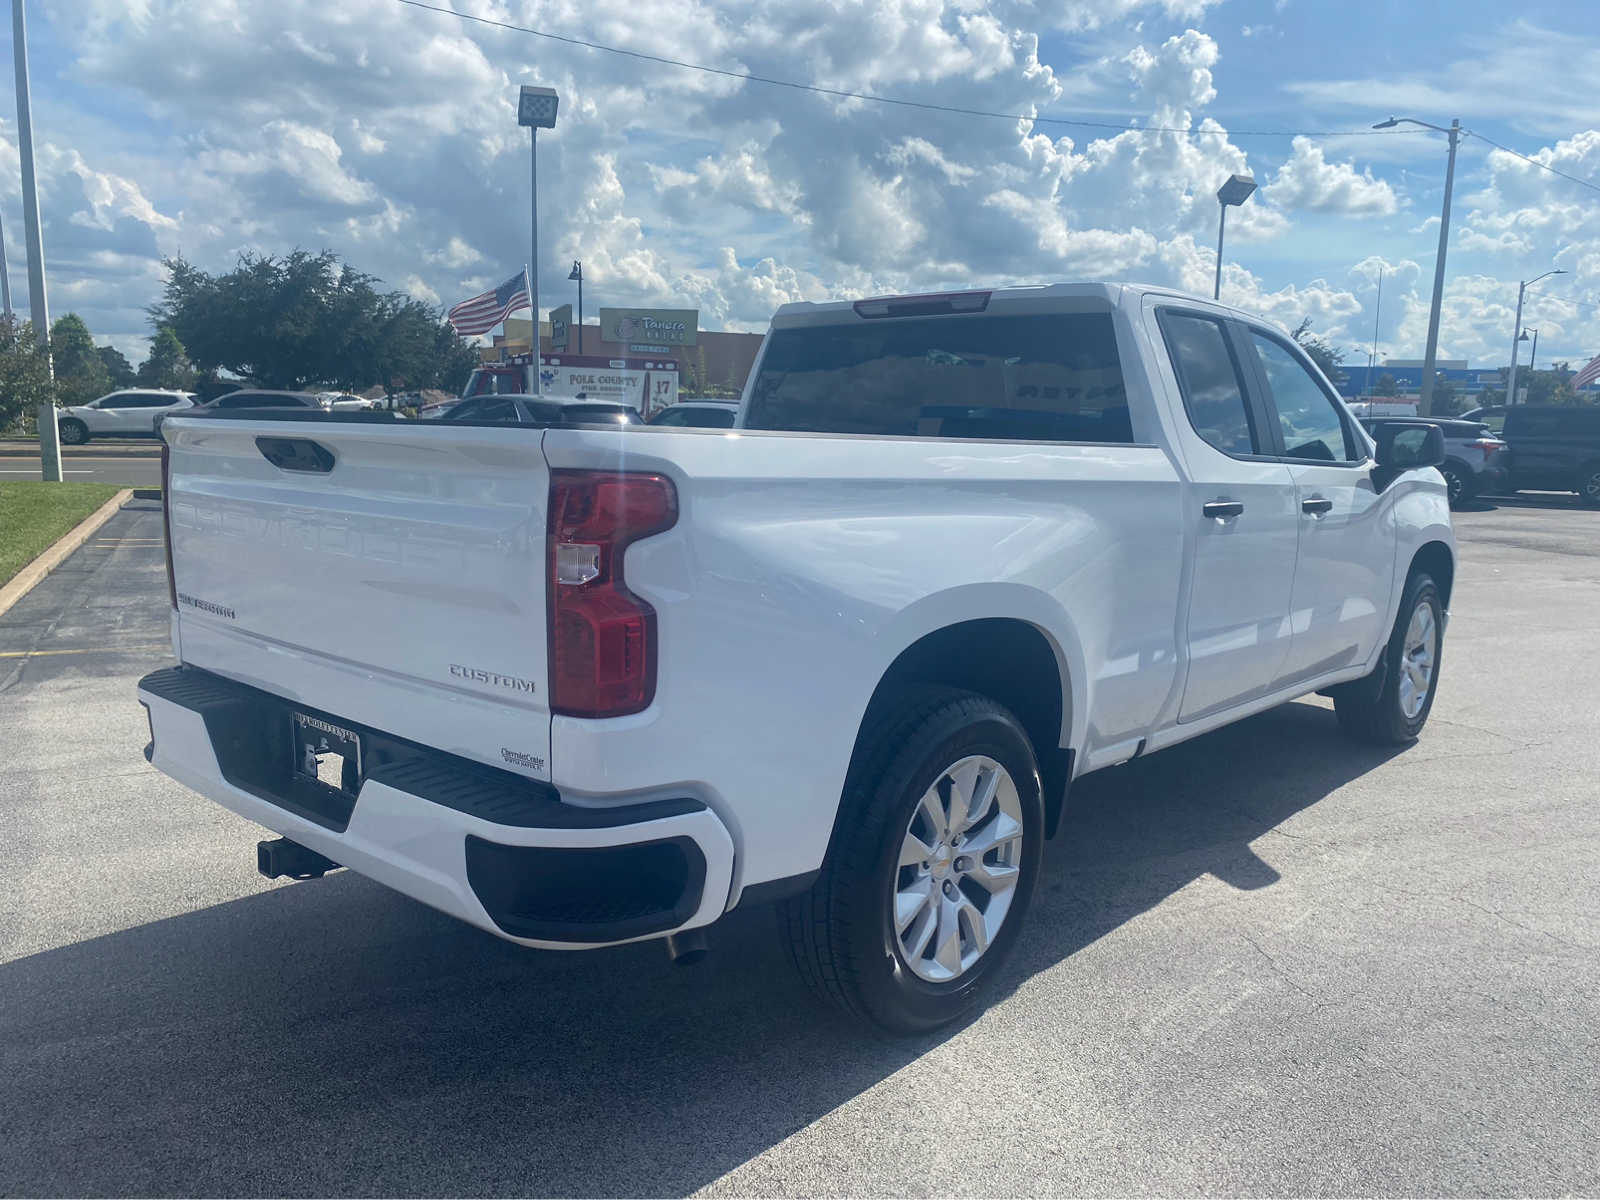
1039, 377
1529, 423
1209, 379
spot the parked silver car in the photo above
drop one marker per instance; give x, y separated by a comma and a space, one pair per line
1475, 461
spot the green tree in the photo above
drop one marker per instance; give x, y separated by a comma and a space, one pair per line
168, 365
306, 319
1386, 386
1320, 351
1549, 387
81, 375
24, 371
118, 368
1446, 401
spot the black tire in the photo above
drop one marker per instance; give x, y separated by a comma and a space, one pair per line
841, 933
1459, 484
1370, 709
1589, 484
73, 431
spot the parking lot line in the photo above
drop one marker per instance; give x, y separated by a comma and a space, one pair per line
137, 649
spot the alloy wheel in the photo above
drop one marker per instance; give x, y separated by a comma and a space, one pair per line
958, 868
1417, 660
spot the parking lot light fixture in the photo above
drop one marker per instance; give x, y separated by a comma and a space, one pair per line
1232, 193
577, 273
1516, 331
536, 108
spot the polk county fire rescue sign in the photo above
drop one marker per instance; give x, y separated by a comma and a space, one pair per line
645, 384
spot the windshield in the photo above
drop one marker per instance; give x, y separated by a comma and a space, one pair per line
1048, 377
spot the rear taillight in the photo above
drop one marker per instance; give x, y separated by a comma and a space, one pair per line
1488, 445
602, 636
166, 521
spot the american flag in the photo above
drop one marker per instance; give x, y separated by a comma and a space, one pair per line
1588, 375
483, 313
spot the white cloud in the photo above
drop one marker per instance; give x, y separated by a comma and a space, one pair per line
1309, 181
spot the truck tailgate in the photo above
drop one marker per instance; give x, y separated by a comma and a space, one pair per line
391, 574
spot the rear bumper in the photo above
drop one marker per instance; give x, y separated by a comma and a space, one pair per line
497, 850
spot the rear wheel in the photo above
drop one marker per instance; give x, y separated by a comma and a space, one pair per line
73, 431
1390, 706
932, 865
1458, 483
1589, 484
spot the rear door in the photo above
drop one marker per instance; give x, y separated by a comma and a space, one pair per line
1346, 548
388, 574
1544, 450
119, 414
1241, 503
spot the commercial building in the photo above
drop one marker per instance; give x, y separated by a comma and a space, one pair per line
717, 360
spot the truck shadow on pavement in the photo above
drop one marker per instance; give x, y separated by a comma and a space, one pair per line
332, 1037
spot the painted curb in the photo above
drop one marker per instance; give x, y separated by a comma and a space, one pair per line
29, 577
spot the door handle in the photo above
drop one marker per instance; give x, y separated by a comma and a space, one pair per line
1222, 509
1316, 506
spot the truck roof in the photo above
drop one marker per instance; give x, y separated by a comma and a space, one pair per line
984, 300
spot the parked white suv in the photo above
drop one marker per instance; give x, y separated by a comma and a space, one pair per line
129, 413
580, 686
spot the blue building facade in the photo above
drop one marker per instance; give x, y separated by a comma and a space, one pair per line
1360, 381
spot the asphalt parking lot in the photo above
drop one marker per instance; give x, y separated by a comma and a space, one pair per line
1267, 961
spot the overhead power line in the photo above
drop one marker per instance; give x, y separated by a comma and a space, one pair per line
1593, 187
927, 106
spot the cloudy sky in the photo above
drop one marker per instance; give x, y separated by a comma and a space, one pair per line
206, 128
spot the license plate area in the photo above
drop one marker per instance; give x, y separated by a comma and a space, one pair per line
325, 754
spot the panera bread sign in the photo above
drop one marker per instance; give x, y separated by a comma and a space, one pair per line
650, 326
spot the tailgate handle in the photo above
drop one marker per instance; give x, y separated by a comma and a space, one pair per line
296, 454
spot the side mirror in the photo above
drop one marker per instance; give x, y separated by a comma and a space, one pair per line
1406, 446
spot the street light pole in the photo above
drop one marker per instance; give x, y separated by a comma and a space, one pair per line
536, 108
1431, 353
38, 306
577, 273
1516, 332
533, 260
1232, 193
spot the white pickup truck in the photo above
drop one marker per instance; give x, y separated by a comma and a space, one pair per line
582, 686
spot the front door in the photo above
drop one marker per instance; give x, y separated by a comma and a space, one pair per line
1245, 514
1345, 570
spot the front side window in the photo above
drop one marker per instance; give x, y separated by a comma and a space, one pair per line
1209, 379
1309, 420
1035, 377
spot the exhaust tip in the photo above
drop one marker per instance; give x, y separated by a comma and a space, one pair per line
686, 949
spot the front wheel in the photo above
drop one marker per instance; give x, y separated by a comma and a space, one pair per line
73, 431
1390, 706
932, 864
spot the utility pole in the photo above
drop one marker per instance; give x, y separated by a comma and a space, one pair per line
1431, 355
38, 306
